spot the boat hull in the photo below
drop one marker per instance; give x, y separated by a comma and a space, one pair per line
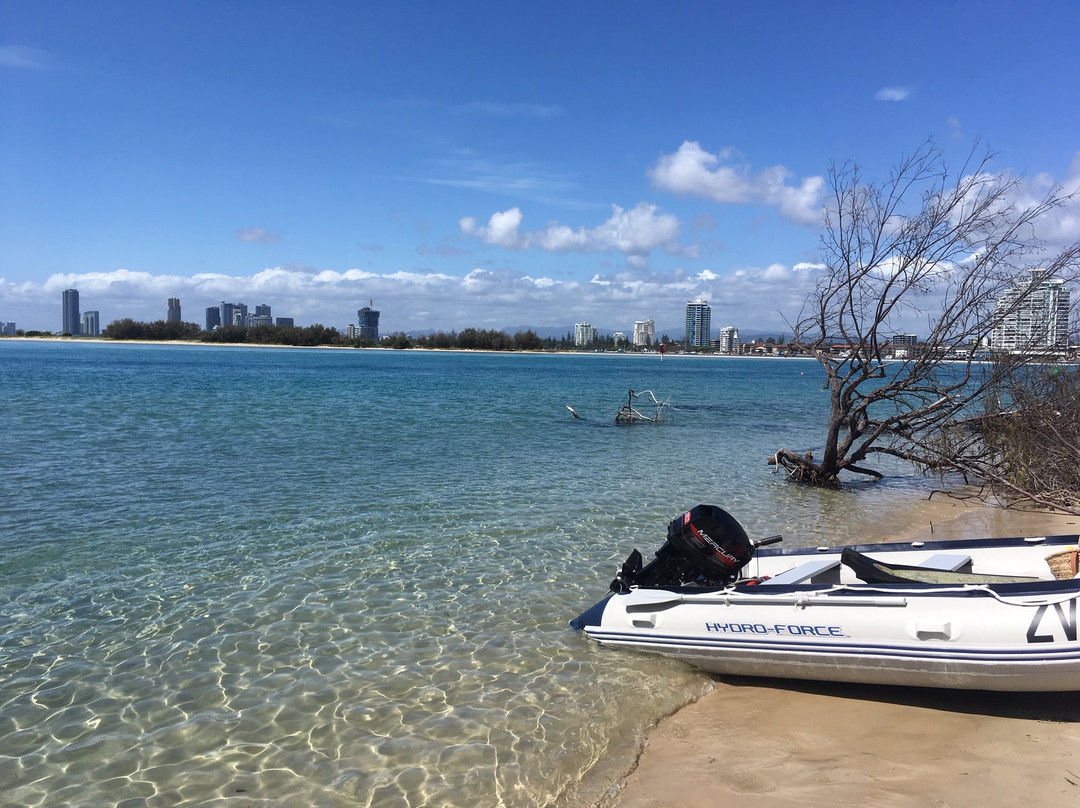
1011, 669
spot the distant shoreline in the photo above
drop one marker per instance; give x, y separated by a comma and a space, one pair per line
543, 352
425, 349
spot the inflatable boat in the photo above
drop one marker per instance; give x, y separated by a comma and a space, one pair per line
981, 614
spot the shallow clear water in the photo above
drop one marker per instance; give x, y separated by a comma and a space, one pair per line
341, 578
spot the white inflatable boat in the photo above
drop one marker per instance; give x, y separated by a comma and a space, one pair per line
985, 614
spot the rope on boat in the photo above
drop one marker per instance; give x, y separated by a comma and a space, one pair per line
837, 595
963, 589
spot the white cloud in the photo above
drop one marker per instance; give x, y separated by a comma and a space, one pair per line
692, 171
1057, 227
256, 234
776, 272
444, 248
511, 110
637, 231
634, 233
892, 94
501, 229
749, 297
562, 238
703, 221
1061, 226
956, 131
689, 171
1067, 218
504, 175
22, 57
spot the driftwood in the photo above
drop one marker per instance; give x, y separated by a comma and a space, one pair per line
801, 468
628, 414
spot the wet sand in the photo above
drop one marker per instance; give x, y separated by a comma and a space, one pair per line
754, 742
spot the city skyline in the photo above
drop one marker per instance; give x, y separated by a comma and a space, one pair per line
1029, 318
366, 325
383, 156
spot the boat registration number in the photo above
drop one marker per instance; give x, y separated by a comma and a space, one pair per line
1067, 622
776, 629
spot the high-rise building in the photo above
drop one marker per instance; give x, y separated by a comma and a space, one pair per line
234, 313
584, 334
698, 324
213, 317
729, 339
910, 340
644, 333
90, 324
174, 310
368, 320
284, 321
71, 311
261, 316
1033, 316
8, 328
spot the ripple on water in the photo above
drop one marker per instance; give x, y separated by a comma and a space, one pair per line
354, 589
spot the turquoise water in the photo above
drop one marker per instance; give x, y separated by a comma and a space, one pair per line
276, 577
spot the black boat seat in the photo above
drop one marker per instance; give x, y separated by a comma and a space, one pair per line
872, 571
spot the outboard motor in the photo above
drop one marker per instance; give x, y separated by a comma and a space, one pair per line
706, 546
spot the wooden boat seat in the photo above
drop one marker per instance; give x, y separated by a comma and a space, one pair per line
818, 571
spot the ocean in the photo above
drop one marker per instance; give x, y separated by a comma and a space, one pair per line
270, 577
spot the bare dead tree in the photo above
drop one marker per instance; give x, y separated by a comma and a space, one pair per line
925, 241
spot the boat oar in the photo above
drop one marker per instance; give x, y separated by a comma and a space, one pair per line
652, 597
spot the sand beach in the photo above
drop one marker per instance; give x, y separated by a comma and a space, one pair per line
753, 742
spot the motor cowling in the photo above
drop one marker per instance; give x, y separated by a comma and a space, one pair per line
706, 546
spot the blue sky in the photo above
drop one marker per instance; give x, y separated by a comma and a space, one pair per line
487, 164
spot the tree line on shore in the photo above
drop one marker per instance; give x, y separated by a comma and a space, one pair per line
162, 331
468, 339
